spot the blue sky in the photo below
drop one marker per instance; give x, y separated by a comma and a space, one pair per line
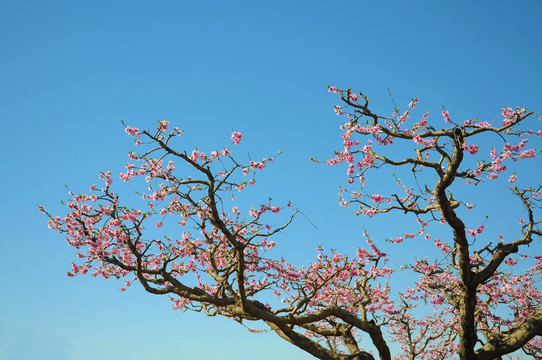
71, 71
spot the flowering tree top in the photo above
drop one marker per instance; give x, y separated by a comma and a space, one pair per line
218, 258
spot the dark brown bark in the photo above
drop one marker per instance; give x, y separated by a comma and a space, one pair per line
312, 347
511, 340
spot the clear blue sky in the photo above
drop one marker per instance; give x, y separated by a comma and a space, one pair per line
71, 71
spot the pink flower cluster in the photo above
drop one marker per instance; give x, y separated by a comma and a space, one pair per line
236, 137
478, 231
446, 116
132, 131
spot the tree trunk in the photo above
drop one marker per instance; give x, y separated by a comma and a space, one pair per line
467, 326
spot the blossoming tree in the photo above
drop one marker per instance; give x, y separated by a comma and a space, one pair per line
479, 300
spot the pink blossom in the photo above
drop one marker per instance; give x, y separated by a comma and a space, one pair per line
493, 153
396, 240
163, 125
236, 137
132, 131
478, 231
413, 103
446, 116
510, 116
350, 169
159, 224
510, 261
512, 178
527, 154
472, 149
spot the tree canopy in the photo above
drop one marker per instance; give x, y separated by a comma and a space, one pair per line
479, 298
